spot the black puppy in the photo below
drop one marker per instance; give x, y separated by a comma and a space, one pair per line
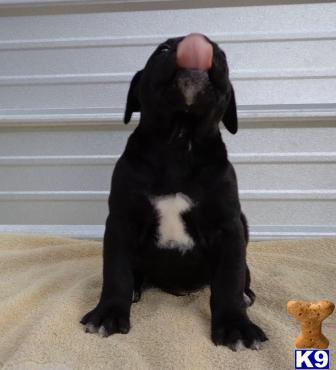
175, 220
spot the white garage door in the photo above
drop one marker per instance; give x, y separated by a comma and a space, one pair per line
65, 67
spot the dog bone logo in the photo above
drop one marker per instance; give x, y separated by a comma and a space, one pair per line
310, 315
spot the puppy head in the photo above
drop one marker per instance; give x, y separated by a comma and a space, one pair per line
187, 77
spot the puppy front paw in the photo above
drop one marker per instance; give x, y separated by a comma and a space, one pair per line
106, 322
238, 335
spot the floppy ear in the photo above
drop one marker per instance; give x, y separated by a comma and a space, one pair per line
133, 103
230, 119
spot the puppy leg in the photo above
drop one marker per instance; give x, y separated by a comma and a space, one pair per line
249, 296
112, 313
230, 325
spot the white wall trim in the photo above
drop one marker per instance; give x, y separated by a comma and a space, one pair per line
94, 116
66, 160
291, 232
49, 3
84, 78
75, 195
149, 3
69, 160
60, 117
113, 78
71, 231
289, 157
154, 40
97, 231
14, 3
52, 3
287, 113
315, 194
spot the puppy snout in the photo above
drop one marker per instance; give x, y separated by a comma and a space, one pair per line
194, 52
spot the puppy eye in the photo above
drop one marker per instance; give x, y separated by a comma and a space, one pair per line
164, 49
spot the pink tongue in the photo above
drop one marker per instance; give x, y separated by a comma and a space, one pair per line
194, 52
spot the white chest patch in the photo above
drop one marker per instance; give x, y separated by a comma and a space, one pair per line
171, 230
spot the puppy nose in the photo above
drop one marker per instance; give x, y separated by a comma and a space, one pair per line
194, 52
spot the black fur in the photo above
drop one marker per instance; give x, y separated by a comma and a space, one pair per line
177, 148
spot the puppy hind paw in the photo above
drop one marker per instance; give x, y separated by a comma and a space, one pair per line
136, 296
249, 297
247, 300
